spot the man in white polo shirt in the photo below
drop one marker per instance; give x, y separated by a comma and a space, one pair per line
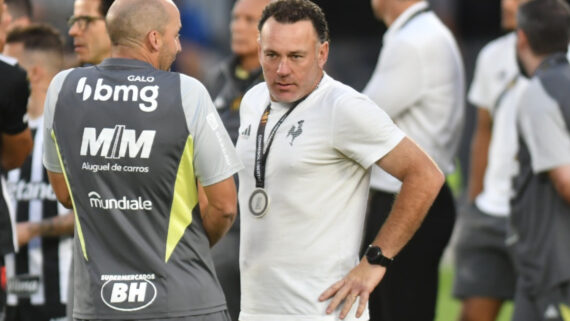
307, 143
419, 82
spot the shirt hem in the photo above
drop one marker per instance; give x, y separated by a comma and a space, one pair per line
145, 316
297, 317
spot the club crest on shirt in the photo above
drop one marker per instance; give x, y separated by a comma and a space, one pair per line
295, 131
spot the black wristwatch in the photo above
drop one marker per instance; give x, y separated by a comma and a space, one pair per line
374, 256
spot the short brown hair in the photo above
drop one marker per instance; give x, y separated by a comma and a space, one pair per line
291, 11
40, 37
546, 24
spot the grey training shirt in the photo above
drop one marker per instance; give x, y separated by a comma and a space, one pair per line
132, 141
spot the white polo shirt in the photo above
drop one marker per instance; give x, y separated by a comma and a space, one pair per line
419, 82
317, 178
497, 86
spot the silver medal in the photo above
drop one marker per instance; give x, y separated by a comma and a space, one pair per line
259, 202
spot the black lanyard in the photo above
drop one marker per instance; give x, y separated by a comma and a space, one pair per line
260, 155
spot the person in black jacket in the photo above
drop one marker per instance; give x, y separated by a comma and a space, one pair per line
15, 139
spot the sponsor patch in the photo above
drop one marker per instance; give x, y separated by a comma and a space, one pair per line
128, 293
23, 285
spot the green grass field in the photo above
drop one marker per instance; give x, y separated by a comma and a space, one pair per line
448, 307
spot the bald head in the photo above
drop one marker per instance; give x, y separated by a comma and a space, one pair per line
129, 21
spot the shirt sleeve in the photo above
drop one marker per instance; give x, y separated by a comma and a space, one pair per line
362, 131
543, 129
14, 101
51, 157
215, 158
397, 81
479, 92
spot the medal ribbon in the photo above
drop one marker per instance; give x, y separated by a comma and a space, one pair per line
260, 152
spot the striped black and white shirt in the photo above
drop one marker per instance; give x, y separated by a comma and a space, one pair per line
14, 92
38, 274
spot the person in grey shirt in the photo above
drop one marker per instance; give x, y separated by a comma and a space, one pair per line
129, 163
540, 218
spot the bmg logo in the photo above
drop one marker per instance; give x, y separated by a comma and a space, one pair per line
104, 92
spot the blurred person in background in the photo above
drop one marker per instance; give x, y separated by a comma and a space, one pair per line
15, 141
484, 269
227, 85
419, 82
87, 27
21, 12
38, 274
5, 21
540, 208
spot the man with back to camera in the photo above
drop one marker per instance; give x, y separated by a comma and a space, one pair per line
419, 82
484, 268
15, 142
142, 246
87, 27
307, 143
227, 85
38, 274
540, 217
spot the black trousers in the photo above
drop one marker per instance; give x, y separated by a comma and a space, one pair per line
408, 291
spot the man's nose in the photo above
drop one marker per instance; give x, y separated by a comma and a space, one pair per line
283, 67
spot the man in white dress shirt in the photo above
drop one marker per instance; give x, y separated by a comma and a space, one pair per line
419, 82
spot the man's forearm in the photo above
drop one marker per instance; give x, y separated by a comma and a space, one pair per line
219, 202
412, 204
217, 222
479, 153
560, 177
56, 226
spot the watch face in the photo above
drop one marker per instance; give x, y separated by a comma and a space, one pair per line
373, 253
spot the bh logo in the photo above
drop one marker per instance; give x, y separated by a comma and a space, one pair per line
104, 92
128, 296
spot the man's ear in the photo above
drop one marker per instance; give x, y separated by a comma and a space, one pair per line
35, 73
154, 39
323, 54
259, 49
522, 40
